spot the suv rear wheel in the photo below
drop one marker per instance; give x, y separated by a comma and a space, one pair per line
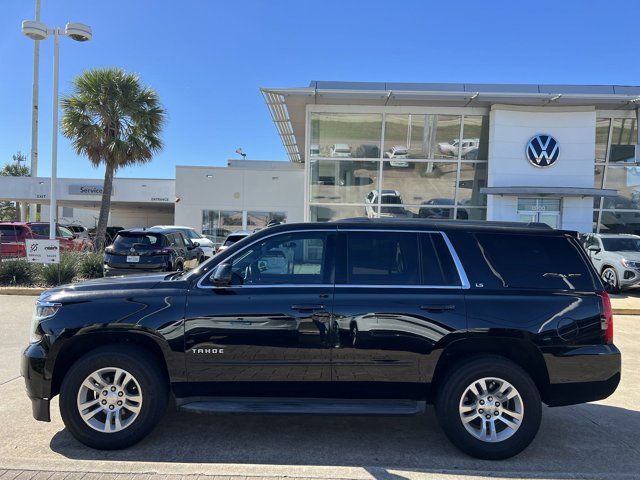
489, 408
113, 397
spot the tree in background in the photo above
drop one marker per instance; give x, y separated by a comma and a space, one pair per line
10, 211
114, 121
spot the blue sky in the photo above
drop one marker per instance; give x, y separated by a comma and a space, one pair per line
207, 59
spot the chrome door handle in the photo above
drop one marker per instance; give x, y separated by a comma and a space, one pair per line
438, 308
307, 308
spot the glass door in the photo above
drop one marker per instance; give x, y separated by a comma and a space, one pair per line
540, 210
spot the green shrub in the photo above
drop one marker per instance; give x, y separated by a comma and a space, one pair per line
17, 272
91, 265
64, 272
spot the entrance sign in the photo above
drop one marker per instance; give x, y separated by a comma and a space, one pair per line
43, 251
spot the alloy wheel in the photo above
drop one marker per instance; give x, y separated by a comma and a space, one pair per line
609, 277
109, 400
491, 409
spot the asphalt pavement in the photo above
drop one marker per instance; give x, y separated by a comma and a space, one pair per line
597, 440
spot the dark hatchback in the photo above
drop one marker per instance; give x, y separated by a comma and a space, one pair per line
144, 250
484, 320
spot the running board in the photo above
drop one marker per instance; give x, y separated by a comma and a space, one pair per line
307, 406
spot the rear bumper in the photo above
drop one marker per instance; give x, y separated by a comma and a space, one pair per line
582, 374
38, 386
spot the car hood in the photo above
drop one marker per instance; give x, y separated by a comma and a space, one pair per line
131, 282
632, 255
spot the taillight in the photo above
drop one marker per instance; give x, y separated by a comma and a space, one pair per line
606, 317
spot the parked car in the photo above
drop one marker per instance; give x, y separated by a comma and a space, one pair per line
398, 155
340, 150
616, 257
78, 230
441, 208
232, 238
205, 244
468, 148
391, 204
144, 250
110, 234
14, 234
486, 320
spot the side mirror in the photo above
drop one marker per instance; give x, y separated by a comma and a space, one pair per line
195, 244
222, 277
594, 248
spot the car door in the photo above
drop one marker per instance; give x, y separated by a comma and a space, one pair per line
190, 251
398, 297
267, 332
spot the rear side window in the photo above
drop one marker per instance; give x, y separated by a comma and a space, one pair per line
437, 264
10, 233
381, 258
40, 229
535, 261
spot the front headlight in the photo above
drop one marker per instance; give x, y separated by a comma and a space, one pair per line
42, 311
630, 264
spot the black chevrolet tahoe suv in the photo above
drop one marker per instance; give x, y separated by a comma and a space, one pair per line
484, 320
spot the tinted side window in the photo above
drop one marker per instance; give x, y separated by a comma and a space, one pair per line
381, 258
535, 261
437, 264
295, 258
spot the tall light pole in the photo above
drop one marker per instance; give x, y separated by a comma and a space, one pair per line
37, 31
34, 113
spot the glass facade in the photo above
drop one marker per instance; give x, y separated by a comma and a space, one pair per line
397, 165
616, 169
218, 224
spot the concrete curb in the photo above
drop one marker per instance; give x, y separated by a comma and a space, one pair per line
21, 290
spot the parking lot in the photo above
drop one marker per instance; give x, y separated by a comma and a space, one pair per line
598, 440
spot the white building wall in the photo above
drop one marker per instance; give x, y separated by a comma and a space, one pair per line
511, 127
243, 186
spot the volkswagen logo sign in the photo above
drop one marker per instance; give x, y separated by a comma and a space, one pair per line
543, 150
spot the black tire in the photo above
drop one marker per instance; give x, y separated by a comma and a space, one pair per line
454, 386
153, 384
613, 285
179, 267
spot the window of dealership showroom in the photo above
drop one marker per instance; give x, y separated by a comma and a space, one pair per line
615, 168
218, 224
428, 165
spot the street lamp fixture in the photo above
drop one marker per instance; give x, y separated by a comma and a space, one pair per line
37, 31
239, 151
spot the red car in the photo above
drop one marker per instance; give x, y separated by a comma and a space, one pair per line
14, 234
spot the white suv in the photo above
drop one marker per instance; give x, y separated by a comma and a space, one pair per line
205, 243
398, 155
616, 257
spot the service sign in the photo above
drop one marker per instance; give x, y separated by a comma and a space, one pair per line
43, 251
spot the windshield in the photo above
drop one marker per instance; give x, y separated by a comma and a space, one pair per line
621, 244
231, 239
132, 240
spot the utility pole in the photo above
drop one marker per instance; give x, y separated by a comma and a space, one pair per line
34, 113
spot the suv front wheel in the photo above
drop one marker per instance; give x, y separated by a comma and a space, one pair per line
112, 397
489, 407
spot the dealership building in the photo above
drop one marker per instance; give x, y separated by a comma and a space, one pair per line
564, 155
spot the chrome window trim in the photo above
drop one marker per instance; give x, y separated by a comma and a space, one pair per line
462, 275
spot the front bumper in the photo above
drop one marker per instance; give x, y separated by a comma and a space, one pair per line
37, 383
582, 374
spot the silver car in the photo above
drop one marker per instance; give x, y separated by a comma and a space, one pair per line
616, 257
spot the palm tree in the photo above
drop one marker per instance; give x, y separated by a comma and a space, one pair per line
114, 121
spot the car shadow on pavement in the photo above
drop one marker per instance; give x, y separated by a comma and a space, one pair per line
581, 439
